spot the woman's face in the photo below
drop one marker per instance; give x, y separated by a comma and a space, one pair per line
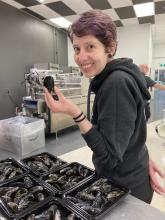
89, 55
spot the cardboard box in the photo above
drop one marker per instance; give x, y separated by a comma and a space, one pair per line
22, 135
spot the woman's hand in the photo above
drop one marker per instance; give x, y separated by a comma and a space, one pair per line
62, 105
153, 169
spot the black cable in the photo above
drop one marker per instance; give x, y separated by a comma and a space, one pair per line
12, 100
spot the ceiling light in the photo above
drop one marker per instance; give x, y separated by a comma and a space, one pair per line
41, 1
62, 22
145, 9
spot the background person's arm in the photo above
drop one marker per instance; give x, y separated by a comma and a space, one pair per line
150, 82
159, 86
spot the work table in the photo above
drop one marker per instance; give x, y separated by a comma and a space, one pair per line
134, 209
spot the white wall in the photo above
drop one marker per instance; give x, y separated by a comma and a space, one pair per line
71, 61
158, 54
158, 57
135, 41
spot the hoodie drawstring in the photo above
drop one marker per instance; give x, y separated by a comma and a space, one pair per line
88, 102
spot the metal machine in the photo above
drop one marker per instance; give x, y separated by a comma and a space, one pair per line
72, 84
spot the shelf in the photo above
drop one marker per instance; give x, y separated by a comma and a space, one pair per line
63, 89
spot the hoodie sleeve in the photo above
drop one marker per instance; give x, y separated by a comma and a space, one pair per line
149, 81
117, 112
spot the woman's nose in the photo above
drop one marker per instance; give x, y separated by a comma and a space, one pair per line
83, 55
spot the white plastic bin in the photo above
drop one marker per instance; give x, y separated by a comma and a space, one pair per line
22, 135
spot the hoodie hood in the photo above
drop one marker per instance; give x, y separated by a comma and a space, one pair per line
122, 64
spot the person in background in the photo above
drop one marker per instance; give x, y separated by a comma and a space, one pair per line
144, 68
117, 132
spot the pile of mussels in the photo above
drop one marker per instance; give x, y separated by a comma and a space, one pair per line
67, 177
43, 163
54, 212
9, 170
94, 198
22, 193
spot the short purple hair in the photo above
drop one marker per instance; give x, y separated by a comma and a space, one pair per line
96, 23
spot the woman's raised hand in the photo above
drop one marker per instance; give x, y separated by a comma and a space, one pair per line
62, 105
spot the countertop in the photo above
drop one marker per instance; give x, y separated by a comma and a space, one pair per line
134, 209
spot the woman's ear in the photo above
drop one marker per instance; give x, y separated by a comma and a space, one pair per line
111, 50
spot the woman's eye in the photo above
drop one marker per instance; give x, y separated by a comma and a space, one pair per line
76, 49
90, 46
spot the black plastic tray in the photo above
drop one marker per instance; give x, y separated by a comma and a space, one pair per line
64, 209
3, 216
60, 193
13, 214
25, 161
16, 164
107, 208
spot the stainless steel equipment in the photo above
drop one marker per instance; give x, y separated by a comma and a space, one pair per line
73, 85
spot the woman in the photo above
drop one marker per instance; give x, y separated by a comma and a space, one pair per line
117, 133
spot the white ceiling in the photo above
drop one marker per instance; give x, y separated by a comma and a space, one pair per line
115, 8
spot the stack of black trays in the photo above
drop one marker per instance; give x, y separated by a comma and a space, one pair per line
45, 187
43, 163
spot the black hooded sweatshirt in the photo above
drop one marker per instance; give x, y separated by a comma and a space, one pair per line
118, 135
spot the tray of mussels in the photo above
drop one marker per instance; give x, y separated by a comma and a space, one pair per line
10, 169
54, 209
96, 198
43, 163
3, 216
68, 178
22, 194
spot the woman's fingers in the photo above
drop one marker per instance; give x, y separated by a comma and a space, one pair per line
48, 96
62, 105
160, 173
155, 183
59, 93
156, 169
158, 188
153, 170
155, 189
45, 89
49, 100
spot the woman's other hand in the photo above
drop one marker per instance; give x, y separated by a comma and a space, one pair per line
62, 105
153, 170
